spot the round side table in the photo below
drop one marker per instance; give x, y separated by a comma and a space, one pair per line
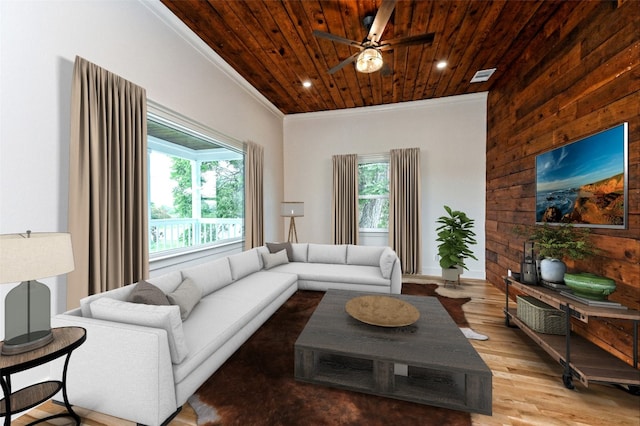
65, 340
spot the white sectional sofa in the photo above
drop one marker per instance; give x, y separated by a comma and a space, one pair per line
141, 362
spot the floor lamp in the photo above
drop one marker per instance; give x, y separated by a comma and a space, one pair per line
292, 209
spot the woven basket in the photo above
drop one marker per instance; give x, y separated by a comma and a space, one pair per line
541, 317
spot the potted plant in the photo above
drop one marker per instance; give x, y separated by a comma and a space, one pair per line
455, 235
556, 243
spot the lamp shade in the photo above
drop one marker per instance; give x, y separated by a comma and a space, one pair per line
292, 209
369, 60
31, 256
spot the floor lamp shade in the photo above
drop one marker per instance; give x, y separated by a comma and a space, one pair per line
292, 209
25, 258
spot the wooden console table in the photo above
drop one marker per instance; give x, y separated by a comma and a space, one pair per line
66, 339
579, 357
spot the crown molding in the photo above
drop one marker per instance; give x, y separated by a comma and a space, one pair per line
172, 21
400, 106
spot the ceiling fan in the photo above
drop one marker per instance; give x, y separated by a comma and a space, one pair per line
369, 58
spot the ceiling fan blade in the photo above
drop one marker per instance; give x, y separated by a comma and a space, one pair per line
382, 18
342, 64
407, 41
333, 37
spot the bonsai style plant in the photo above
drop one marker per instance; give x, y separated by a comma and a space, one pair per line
557, 243
455, 235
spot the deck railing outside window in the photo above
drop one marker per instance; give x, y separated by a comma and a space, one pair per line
168, 234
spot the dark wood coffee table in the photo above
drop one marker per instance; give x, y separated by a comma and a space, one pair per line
429, 362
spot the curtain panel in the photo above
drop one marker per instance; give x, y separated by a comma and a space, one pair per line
344, 203
254, 196
107, 182
405, 229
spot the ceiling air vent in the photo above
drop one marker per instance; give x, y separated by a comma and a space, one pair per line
482, 75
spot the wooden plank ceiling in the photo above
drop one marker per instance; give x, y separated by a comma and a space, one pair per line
270, 43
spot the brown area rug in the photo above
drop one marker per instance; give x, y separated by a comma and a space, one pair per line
256, 386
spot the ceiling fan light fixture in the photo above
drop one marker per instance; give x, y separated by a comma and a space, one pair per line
369, 60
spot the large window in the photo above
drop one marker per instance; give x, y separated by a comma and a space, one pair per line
196, 188
373, 194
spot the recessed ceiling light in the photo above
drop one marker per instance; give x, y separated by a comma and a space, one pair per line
441, 65
306, 83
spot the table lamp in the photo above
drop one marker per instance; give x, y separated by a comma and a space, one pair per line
292, 209
28, 257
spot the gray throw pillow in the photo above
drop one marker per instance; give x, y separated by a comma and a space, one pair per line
148, 294
271, 260
276, 247
186, 296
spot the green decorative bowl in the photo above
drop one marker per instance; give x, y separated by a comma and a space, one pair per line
590, 286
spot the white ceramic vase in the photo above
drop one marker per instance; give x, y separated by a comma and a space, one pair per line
552, 270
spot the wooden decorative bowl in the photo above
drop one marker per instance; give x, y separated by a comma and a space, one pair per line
383, 311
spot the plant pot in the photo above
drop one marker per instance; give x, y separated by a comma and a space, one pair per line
552, 270
451, 274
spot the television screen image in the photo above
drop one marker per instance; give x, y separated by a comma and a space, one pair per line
585, 182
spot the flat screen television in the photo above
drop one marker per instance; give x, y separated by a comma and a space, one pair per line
584, 183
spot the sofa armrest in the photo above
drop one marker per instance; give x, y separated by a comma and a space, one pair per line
396, 277
121, 370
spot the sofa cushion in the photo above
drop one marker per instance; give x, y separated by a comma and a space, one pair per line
387, 259
222, 315
186, 296
210, 276
164, 317
334, 273
300, 251
147, 293
243, 264
274, 259
364, 255
276, 247
121, 293
166, 282
327, 253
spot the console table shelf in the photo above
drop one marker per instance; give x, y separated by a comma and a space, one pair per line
579, 357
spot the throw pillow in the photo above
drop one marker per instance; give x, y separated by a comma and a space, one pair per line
164, 317
147, 293
274, 259
186, 296
276, 247
387, 259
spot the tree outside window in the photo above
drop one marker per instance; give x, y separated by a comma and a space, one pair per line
373, 196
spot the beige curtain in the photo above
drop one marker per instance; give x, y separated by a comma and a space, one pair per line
405, 230
253, 196
107, 183
344, 204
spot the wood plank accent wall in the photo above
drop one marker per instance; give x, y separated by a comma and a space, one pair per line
581, 75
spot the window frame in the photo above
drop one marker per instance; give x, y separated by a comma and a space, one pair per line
165, 116
372, 159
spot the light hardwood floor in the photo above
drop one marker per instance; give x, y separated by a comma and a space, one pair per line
527, 385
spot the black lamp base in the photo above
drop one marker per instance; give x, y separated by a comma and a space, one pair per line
27, 342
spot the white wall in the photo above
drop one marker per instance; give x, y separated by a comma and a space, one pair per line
451, 135
138, 40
